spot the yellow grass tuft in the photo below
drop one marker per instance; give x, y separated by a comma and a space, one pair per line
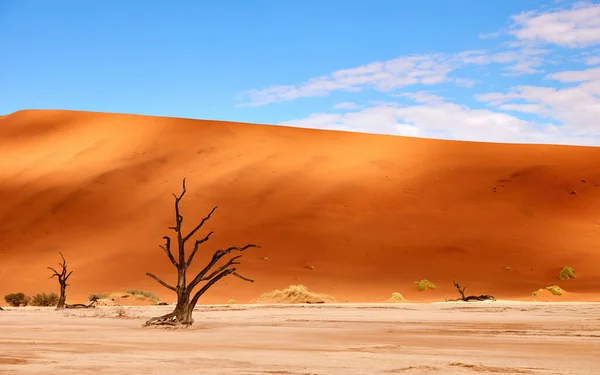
556, 290
423, 285
566, 273
294, 294
396, 297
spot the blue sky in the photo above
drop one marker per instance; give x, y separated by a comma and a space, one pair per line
504, 71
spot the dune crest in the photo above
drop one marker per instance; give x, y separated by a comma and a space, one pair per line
355, 216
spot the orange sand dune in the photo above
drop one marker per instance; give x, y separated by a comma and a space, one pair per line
372, 214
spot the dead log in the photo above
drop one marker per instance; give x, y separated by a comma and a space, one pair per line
483, 297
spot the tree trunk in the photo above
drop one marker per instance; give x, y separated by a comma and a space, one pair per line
183, 310
63, 297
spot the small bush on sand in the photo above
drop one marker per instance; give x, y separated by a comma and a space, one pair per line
396, 297
143, 294
294, 294
17, 299
536, 293
231, 302
43, 299
96, 297
423, 285
556, 290
566, 273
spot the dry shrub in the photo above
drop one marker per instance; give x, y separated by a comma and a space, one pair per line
43, 299
396, 297
556, 290
294, 294
17, 299
566, 273
423, 285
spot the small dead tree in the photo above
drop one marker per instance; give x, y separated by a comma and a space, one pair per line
483, 297
186, 298
62, 277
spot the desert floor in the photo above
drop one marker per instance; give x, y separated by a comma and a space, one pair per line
443, 338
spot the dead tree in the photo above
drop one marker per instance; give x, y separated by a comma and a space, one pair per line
62, 277
186, 298
483, 297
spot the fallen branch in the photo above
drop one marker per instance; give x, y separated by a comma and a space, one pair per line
91, 305
483, 297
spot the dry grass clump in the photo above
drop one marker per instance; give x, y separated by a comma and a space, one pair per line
396, 297
566, 273
294, 294
556, 290
108, 299
423, 285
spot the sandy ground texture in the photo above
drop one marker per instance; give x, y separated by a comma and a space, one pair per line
442, 338
355, 216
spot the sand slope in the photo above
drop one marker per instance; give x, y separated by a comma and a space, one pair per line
372, 214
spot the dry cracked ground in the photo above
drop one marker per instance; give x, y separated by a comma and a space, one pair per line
442, 338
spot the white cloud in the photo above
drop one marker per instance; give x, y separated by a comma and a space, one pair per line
441, 120
562, 114
577, 107
346, 105
386, 76
574, 28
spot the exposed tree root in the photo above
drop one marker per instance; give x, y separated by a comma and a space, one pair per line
165, 320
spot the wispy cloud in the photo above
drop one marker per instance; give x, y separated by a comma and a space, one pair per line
574, 28
386, 76
346, 105
577, 107
592, 60
442, 120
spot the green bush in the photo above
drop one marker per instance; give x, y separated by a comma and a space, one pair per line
423, 285
43, 299
566, 273
17, 299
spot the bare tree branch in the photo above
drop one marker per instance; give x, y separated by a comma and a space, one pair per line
216, 257
196, 247
199, 225
55, 272
212, 282
161, 282
167, 249
231, 262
